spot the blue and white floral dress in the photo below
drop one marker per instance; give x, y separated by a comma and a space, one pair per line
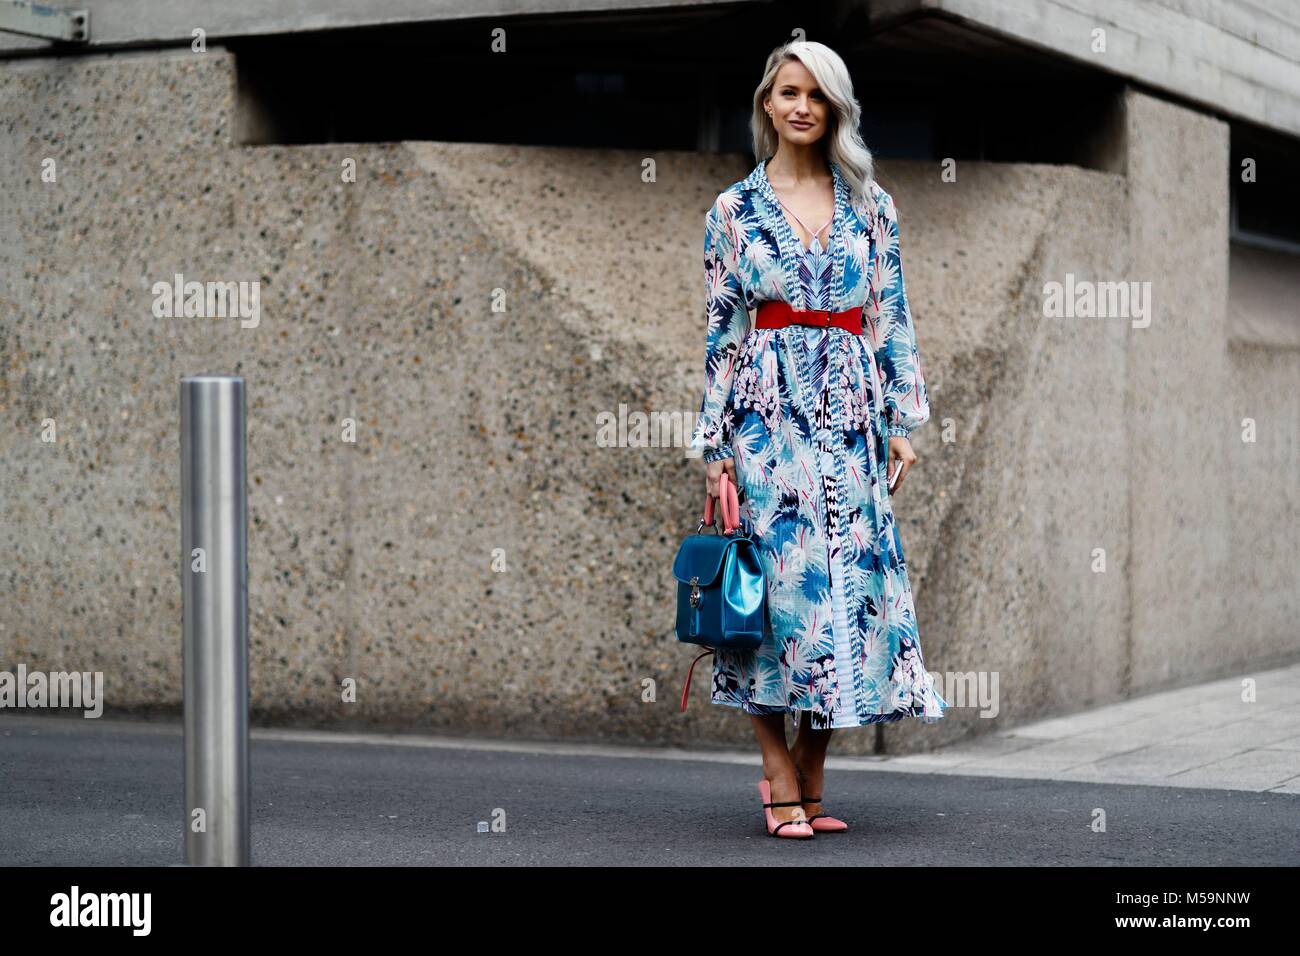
806, 412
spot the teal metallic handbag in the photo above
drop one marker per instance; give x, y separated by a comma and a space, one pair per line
721, 589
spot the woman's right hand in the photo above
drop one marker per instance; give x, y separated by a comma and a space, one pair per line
714, 470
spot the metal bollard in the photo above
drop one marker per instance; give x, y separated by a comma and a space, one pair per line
214, 587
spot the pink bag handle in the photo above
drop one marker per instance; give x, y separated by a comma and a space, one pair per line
730, 505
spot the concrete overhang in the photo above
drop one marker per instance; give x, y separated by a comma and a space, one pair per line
117, 24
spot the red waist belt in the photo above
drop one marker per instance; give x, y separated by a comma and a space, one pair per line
777, 315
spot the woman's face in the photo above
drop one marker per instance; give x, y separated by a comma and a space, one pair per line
799, 110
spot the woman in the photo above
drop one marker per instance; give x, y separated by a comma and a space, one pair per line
798, 409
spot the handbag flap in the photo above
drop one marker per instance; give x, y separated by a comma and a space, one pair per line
701, 556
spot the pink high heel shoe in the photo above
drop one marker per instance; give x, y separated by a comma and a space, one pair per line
799, 829
824, 822
821, 822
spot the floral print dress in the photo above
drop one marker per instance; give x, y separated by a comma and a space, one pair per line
805, 412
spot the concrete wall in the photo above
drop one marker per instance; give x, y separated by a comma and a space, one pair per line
1180, 430
477, 428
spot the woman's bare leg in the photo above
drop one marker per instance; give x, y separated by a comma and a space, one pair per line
777, 766
808, 754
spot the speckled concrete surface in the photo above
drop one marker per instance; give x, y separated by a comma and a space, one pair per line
476, 427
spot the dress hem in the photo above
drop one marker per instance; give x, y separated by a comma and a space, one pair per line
889, 718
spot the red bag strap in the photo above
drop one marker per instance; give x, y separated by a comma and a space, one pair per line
687, 689
730, 505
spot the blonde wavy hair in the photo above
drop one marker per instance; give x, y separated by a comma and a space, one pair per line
842, 143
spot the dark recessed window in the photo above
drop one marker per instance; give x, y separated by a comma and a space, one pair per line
657, 80
1265, 212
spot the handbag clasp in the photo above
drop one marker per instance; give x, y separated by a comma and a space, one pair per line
695, 591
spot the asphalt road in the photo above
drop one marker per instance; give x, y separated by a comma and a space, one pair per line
112, 796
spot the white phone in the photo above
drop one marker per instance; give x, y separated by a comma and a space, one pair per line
897, 471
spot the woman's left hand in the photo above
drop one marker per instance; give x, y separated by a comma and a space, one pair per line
900, 456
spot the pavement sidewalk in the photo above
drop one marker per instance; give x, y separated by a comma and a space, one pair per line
1201, 736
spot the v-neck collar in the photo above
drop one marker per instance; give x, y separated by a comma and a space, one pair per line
776, 200
791, 249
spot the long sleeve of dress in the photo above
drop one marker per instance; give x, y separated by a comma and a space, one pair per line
727, 326
905, 399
